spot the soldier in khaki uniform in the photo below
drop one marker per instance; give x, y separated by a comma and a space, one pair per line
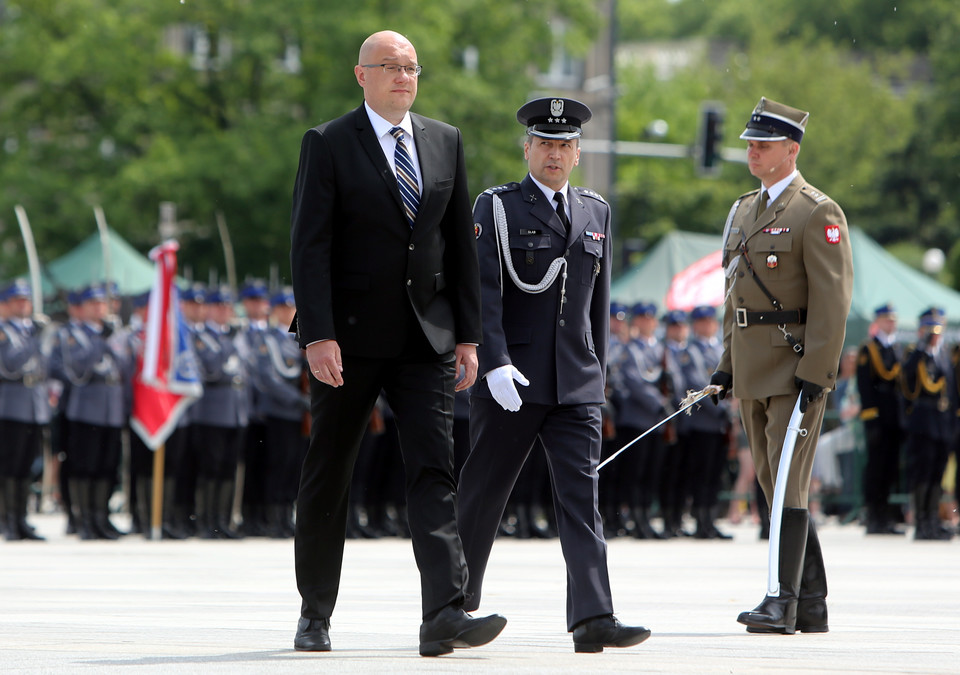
789, 282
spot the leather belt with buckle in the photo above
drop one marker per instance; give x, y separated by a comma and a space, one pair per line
772, 318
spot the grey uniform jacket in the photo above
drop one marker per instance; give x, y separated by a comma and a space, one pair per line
24, 395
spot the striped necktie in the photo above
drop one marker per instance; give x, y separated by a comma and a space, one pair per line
406, 177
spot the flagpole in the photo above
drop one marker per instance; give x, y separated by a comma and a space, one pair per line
156, 512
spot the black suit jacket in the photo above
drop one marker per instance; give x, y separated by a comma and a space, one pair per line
358, 268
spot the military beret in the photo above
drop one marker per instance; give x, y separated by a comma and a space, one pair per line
772, 121
556, 118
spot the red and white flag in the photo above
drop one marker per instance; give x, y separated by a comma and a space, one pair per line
167, 380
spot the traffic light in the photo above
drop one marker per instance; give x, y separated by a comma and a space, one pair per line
710, 140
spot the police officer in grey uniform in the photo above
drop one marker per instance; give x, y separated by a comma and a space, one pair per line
544, 250
255, 298
220, 416
95, 360
639, 396
708, 428
278, 367
24, 406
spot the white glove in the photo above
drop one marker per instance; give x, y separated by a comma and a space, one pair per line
500, 381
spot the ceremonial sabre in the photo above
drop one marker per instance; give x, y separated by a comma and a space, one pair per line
105, 248
776, 509
691, 399
33, 262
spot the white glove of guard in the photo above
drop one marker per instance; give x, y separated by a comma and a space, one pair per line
500, 381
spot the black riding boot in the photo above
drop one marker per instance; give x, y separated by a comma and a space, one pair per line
778, 613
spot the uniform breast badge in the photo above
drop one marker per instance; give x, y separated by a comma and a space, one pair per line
772, 261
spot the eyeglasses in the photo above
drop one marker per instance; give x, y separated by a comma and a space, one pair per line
394, 69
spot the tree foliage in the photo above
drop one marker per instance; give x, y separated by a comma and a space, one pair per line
126, 103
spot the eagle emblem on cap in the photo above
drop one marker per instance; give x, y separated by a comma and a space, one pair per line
556, 107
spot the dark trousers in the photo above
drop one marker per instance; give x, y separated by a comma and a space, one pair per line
707, 455
419, 389
500, 444
218, 451
94, 451
284, 454
883, 466
22, 443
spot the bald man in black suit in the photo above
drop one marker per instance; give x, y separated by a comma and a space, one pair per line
387, 287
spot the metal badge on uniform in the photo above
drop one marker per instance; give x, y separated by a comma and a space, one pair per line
477, 229
772, 261
832, 233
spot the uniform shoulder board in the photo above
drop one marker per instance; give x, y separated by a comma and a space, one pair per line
814, 194
748, 194
506, 187
587, 192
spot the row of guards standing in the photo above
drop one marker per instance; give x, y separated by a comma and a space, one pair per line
75, 378
682, 464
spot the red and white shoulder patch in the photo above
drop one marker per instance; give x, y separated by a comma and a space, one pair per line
832, 233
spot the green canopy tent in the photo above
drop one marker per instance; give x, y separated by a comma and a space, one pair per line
879, 278
84, 265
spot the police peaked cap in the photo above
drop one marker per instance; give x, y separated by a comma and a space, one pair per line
556, 118
18, 289
644, 309
283, 297
702, 312
772, 121
220, 296
194, 293
885, 309
674, 317
254, 290
618, 308
94, 292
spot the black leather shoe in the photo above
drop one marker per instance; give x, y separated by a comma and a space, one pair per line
453, 629
593, 635
313, 635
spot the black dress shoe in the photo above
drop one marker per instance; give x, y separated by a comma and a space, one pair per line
594, 634
313, 635
453, 629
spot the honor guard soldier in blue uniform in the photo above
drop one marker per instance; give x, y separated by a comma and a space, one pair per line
544, 250
255, 298
931, 417
277, 375
95, 360
220, 416
24, 406
878, 383
708, 429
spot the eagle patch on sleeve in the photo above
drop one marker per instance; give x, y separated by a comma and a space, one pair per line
477, 229
832, 233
